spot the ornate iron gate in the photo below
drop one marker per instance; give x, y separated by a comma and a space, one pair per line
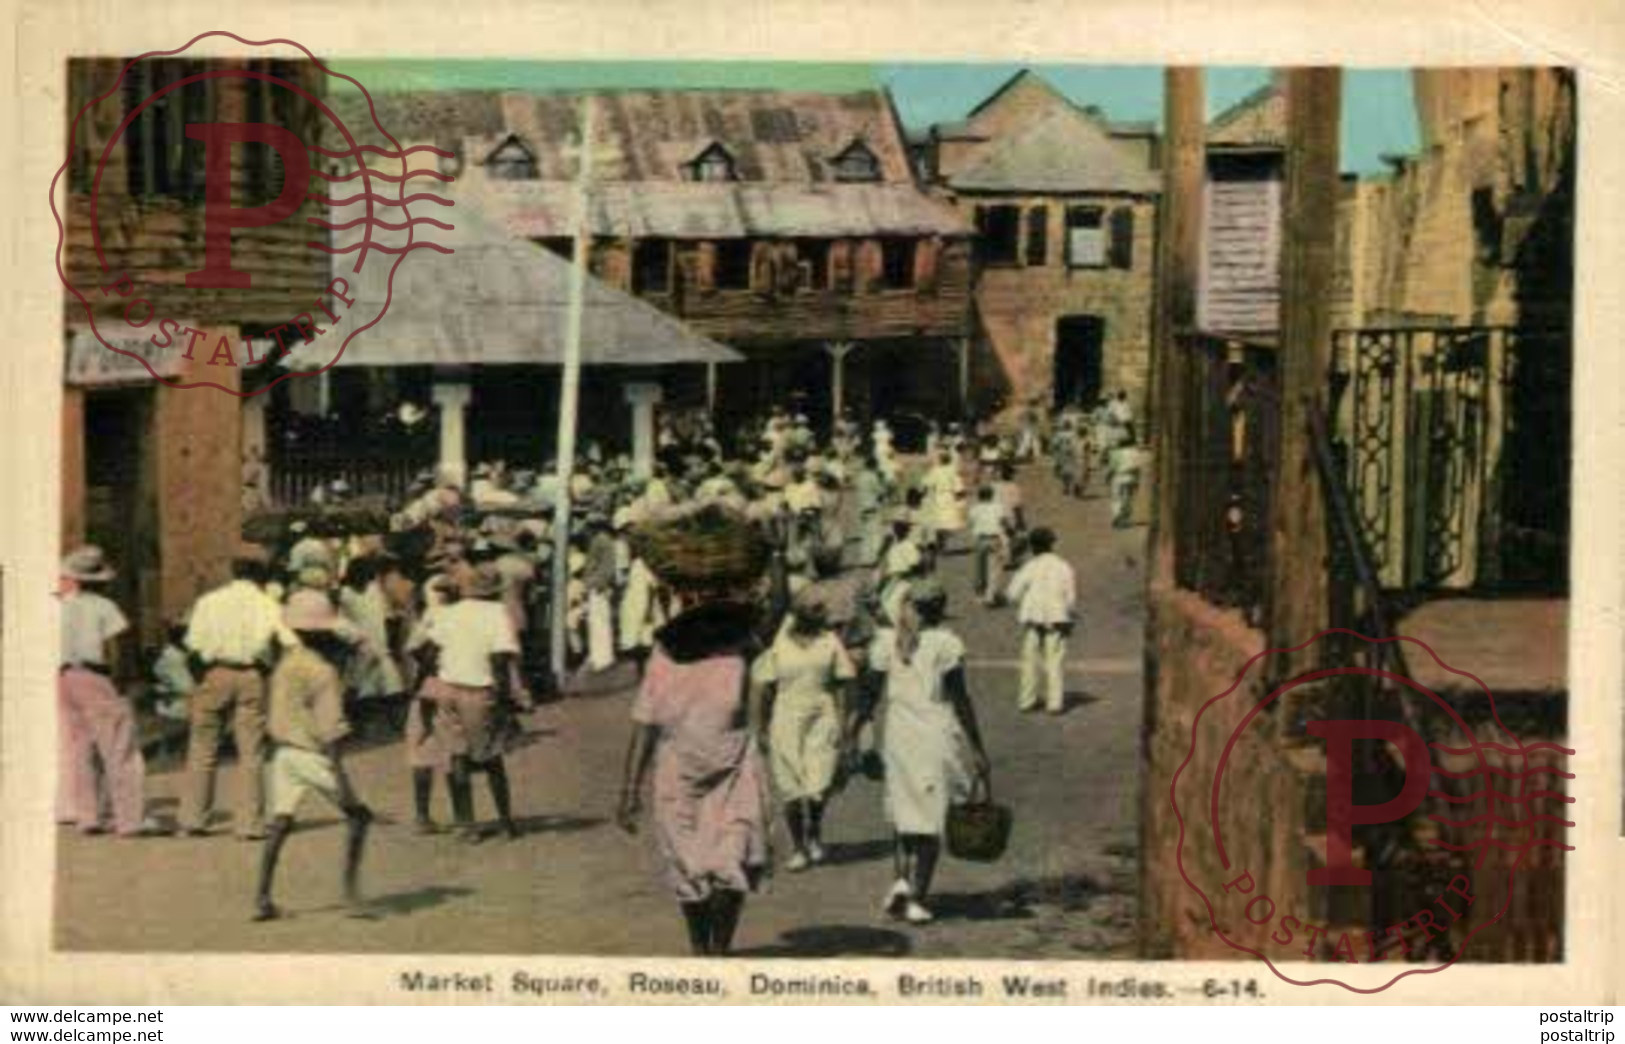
1439, 431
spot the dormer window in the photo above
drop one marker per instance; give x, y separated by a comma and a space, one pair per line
511, 161
715, 163
856, 162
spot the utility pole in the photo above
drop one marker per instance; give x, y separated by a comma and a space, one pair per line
1299, 553
570, 391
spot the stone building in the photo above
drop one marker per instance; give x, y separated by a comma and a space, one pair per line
1063, 201
787, 225
151, 473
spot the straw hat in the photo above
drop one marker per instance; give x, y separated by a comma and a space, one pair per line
87, 564
310, 611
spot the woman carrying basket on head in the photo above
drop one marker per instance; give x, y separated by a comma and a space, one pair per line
697, 737
931, 745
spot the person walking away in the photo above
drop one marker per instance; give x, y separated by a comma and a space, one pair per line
426, 754
475, 649
234, 633
599, 578
1045, 592
696, 736
97, 721
801, 679
1123, 472
869, 493
990, 529
931, 745
945, 499
306, 723
1008, 491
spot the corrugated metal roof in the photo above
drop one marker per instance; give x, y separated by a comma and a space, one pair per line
774, 136
1060, 153
499, 299
723, 211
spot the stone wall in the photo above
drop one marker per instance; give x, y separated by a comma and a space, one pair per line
1017, 307
1198, 652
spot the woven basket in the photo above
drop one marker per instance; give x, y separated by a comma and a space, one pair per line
711, 548
979, 830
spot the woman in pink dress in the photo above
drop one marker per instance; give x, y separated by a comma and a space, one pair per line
697, 738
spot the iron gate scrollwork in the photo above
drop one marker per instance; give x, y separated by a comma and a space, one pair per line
1439, 430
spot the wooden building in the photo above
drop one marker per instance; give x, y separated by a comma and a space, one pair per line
785, 224
1063, 201
154, 474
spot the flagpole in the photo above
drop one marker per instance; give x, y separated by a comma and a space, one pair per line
569, 394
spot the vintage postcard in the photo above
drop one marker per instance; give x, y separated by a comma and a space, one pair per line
924, 505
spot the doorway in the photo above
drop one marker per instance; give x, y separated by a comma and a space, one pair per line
1079, 349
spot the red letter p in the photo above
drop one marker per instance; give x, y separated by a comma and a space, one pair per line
220, 217
1341, 811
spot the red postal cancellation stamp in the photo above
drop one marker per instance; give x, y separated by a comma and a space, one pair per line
1407, 818
161, 314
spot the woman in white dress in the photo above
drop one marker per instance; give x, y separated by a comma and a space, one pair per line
802, 677
944, 498
931, 745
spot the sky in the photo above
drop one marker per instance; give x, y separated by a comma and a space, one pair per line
1378, 114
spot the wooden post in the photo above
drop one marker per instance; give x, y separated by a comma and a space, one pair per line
838, 351
711, 390
1299, 555
1179, 265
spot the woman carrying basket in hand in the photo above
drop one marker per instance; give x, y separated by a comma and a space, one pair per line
931, 745
695, 731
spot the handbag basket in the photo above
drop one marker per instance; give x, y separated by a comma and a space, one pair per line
979, 830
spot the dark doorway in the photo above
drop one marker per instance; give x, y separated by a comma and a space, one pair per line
1079, 346
120, 499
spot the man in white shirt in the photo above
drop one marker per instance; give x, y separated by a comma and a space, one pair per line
96, 718
1045, 592
474, 652
233, 633
990, 529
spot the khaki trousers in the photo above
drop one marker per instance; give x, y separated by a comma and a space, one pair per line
1043, 653
239, 694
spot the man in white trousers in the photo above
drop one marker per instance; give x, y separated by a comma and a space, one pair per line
1044, 591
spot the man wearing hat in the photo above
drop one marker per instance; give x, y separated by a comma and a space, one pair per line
95, 717
234, 633
474, 650
306, 723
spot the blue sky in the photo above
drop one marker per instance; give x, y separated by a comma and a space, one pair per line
1378, 115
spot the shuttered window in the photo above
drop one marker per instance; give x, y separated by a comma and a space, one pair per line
1037, 237
1085, 237
733, 266
998, 234
1122, 241
897, 264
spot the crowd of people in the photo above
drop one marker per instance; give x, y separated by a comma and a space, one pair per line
777, 597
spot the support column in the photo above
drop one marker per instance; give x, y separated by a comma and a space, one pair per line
1298, 583
711, 390
838, 351
1178, 277
962, 346
643, 398
453, 399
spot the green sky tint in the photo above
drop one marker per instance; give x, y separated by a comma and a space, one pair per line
1378, 113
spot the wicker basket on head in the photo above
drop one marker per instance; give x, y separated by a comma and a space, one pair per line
714, 548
